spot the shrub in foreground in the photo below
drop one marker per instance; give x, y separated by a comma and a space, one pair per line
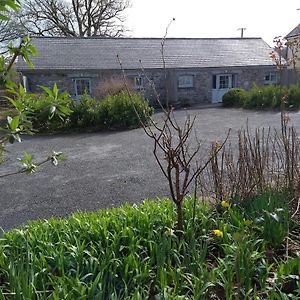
235, 98
120, 111
263, 97
47, 111
293, 99
85, 112
132, 252
113, 112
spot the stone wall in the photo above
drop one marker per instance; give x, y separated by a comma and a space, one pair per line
245, 77
201, 92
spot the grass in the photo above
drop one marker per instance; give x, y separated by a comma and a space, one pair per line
132, 252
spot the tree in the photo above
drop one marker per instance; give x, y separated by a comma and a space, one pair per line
75, 18
10, 31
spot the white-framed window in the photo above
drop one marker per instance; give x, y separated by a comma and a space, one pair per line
185, 81
271, 78
224, 82
82, 85
138, 82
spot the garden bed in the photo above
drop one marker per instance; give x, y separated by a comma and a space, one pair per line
132, 252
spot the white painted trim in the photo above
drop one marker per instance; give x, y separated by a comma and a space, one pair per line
82, 78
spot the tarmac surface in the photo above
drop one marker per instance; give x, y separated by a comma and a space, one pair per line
105, 169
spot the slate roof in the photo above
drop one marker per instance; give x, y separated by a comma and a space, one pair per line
294, 32
101, 53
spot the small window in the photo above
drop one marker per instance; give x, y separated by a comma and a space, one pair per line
82, 85
138, 82
186, 81
224, 82
271, 78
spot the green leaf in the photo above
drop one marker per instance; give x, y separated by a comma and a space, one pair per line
21, 90
4, 18
55, 91
12, 4
46, 90
14, 123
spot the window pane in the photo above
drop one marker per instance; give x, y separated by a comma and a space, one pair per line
271, 78
83, 86
185, 81
224, 82
138, 81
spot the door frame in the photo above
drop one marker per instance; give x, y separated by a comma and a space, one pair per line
220, 90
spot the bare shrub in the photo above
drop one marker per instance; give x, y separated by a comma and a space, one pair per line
177, 152
258, 161
113, 86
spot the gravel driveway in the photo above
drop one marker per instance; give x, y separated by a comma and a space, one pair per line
103, 169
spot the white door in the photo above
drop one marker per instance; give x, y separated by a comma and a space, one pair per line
222, 85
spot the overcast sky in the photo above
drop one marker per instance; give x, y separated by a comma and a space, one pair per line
213, 18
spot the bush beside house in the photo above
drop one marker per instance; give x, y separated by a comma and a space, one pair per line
52, 111
119, 111
235, 98
264, 97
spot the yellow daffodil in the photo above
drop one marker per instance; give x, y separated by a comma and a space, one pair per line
225, 203
218, 233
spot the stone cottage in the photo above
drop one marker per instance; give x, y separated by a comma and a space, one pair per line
291, 54
196, 70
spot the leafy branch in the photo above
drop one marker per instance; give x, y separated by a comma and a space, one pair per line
29, 166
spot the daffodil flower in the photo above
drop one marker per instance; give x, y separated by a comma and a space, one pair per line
218, 233
225, 203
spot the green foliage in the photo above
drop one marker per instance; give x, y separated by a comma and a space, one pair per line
293, 99
235, 98
85, 113
264, 97
268, 211
24, 115
46, 111
117, 111
132, 253
5, 6
121, 110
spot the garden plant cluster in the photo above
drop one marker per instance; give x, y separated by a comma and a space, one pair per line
264, 97
52, 110
229, 251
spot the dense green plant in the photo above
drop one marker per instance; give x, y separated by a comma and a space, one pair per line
124, 111
50, 110
85, 112
235, 98
132, 253
118, 111
293, 98
264, 97
46, 111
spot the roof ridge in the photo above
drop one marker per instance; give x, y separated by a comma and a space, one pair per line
142, 38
